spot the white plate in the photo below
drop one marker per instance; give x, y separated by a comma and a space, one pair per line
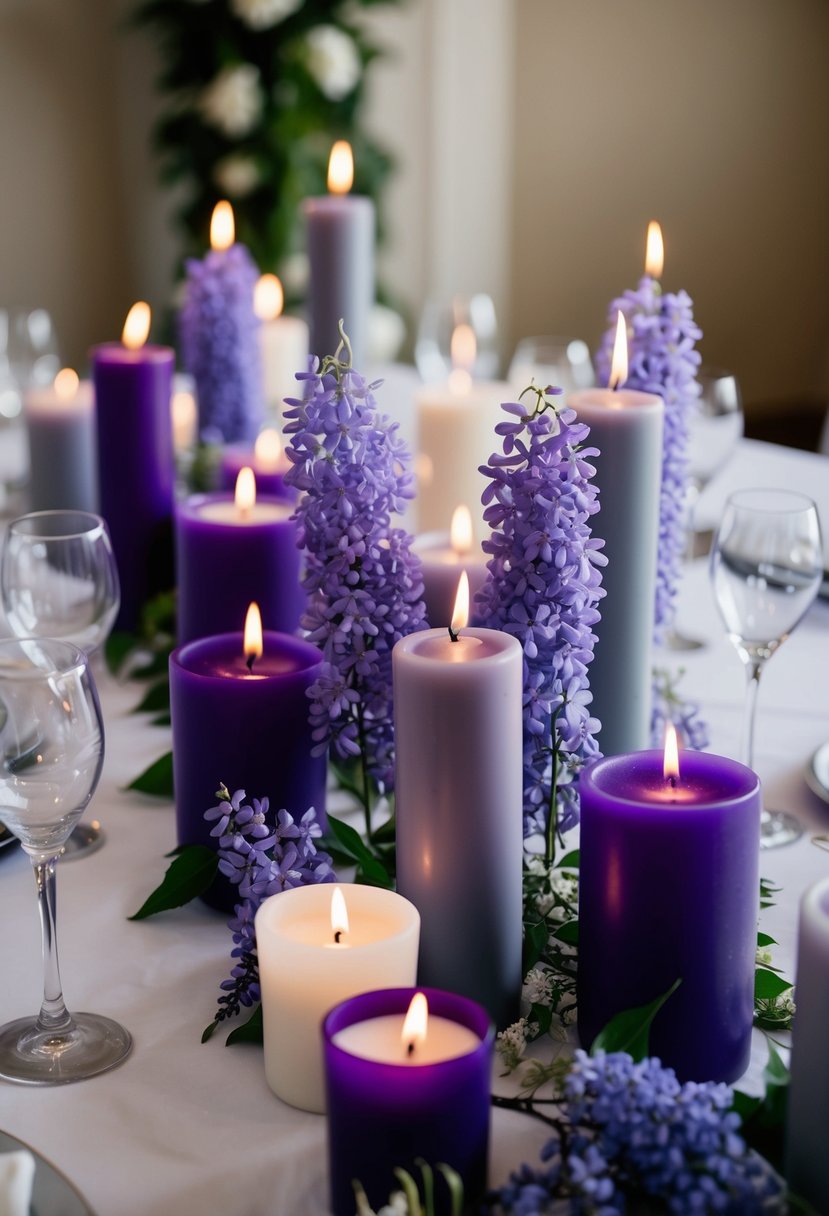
817, 773
52, 1194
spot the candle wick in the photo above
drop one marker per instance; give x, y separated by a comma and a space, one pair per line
338, 936
453, 634
250, 661
410, 1049
672, 780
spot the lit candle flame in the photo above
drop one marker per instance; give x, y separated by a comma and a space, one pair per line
341, 168
268, 298
222, 226
619, 362
654, 251
183, 414
137, 326
245, 494
268, 450
339, 915
415, 1023
460, 532
463, 348
460, 615
670, 764
66, 384
253, 634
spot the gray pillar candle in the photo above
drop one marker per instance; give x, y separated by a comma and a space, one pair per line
808, 1118
626, 427
458, 789
340, 242
60, 423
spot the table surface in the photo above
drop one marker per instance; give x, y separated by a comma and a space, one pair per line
193, 1129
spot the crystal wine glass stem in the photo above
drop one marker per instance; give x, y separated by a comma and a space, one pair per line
753, 669
53, 1012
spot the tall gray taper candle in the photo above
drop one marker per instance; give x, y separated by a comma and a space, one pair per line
60, 422
808, 1118
340, 242
458, 793
626, 427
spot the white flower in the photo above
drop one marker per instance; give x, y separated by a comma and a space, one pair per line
233, 100
512, 1042
538, 987
763, 958
262, 14
333, 61
236, 175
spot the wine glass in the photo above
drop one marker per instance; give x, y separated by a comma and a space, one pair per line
51, 754
564, 362
440, 321
766, 568
58, 579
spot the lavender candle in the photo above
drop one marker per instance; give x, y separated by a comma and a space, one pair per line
267, 459
283, 342
458, 790
808, 1115
669, 891
444, 556
60, 422
219, 335
340, 236
136, 466
400, 1093
243, 721
626, 427
231, 549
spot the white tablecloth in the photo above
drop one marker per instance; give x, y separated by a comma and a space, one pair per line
192, 1129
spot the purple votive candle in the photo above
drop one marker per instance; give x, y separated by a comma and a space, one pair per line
669, 890
389, 1106
267, 459
227, 556
136, 465
246, 727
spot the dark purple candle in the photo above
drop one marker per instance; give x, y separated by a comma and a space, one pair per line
228, 555
247, 727
669, 890
136, 464
387, 1112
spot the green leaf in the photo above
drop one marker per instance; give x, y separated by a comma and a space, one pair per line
570, 861
568, 933
118, 645
188, 876
158, 665
155, 698
768, 985
157, 779
350, 842
428, 1186
455, 1185
249, 1032
543, 1015
763, 940
536, 936
745, 1105
207, 1033
162, 720
409, 1186
629, 1030
775, 1073
386, 833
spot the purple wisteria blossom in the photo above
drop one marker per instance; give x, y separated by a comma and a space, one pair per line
363, 580
629, 1130
261, 861
663, 359
543, 587
220, 344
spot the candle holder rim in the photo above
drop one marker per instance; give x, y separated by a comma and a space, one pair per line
634, 397
750, 781
303, 894
442, 1003
130, 355
236, 637
507, 644
210, 497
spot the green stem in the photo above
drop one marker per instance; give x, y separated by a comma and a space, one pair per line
552, 812
366, 782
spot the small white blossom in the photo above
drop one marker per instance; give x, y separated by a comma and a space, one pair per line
236, 175
512, 1042
538, 987
763, 958
262, 14
233, 100
333, 61
785, 1003
565, 886
396, 1206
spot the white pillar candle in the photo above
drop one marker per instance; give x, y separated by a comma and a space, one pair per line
283, 343
60, 421
307, 964
808, 1117
626, 427
444, 556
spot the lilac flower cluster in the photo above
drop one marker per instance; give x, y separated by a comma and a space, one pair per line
667, 705
220, 344
630, 1130
363, 580
543, 586
663, 359
260, 860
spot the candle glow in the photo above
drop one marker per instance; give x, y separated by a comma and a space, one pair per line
268, 450
339, 916
619, 362
460, 614
253, 635
245, 494
670, 764
341, 168
137, 326
222, 226
460, 532
415, 1023
268, 298
463, 348
66, 384
654, 251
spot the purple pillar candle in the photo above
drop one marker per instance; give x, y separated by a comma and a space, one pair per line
228, 555
245, 726
267, 459
669, 890
389, 1106
136, 466
458, 797
340, 238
